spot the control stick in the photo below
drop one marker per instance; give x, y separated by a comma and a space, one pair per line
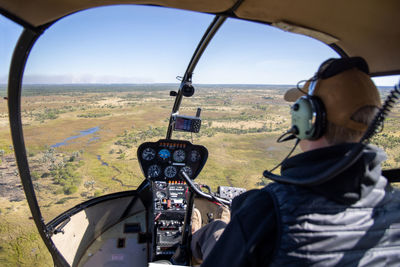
200, 193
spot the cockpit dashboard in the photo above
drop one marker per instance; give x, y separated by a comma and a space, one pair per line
164, 159
161, 163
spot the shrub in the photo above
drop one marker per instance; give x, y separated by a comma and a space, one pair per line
62, 201
70, 190
66, 177
35, 176
93, 115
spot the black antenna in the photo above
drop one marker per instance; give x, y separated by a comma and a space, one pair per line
187, 78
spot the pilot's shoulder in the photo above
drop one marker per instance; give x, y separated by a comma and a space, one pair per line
255, 199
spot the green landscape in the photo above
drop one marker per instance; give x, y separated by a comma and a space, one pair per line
82, 140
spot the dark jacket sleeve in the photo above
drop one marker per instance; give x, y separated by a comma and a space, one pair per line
250, 237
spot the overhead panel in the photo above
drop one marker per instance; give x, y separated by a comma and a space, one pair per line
365, 28
39, 12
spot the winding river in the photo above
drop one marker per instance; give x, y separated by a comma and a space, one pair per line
94, 138
81, 134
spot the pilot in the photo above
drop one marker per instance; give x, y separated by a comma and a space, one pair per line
351, 219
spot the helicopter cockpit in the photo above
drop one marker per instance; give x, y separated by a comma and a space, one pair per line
87, 169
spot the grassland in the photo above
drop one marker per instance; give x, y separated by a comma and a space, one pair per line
100, 128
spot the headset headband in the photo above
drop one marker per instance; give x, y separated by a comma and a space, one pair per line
332, 67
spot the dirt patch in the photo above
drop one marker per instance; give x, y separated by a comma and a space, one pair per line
114, 101
4, 122
239, 124
10, 183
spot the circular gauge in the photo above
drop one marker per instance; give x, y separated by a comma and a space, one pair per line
188, 170
148, 154
164, 154
179, 155
153, 171
170, 171
161, 185
160, 194
194, 156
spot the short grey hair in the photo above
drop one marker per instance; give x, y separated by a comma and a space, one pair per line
337, 134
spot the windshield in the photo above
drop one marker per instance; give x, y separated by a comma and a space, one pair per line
97, 85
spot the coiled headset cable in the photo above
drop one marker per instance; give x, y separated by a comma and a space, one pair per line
377, 123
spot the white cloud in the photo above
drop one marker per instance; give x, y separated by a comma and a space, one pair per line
387, 80
82, 78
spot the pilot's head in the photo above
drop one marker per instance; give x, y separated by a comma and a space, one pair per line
336, 105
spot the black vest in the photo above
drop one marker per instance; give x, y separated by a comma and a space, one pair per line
315, 231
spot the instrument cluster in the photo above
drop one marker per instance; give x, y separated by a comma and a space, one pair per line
164, 159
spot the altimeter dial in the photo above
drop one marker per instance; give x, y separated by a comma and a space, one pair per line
179, 155
170, 171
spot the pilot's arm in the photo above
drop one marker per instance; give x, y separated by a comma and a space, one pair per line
250, 237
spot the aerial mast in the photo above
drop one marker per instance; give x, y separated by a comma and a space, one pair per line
186, 87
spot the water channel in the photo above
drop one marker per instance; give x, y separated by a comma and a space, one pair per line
94, 138
81, 134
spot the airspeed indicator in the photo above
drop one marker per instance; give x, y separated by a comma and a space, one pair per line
148, 154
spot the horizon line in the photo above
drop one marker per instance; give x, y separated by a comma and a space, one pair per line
170, 83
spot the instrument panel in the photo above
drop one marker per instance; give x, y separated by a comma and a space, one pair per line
161, 162
164, 159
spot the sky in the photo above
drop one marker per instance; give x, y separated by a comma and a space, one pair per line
141, 44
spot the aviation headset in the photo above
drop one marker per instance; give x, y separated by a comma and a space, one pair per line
308, 112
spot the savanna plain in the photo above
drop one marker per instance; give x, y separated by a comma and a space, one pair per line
82, 142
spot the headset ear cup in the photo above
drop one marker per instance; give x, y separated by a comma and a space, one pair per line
302, 117
319, 112
308, 118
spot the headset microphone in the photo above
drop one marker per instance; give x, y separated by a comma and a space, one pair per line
292, 131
